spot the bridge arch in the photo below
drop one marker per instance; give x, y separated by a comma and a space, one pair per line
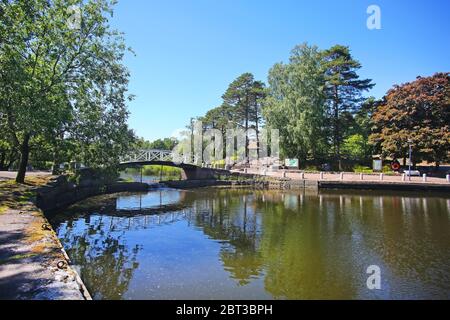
165, 158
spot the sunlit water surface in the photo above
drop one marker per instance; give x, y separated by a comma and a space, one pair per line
247, 244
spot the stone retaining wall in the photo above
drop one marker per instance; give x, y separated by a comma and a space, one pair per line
259, 183
264, 182
60, 193
372, 185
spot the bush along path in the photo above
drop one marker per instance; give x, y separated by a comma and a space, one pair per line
33, 264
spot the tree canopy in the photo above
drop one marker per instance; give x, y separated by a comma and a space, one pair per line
296, 104
63, 79
315, 101
343, 89
64, 95
418, 111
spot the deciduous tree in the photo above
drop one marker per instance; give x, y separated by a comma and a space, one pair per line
296, 104
418, 111
63, 76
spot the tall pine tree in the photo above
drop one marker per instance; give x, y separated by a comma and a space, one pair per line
343, 91
243, 97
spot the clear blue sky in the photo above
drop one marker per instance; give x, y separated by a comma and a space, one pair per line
188, 51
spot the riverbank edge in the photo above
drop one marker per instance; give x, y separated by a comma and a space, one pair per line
51, 274
262, 182
383, 185
33, 264
59, 194
42, 254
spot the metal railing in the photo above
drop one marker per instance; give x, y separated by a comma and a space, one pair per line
148, 155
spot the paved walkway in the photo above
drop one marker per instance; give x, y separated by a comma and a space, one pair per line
32, 262
346, 177
9, 175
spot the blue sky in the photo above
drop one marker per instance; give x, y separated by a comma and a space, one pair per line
188, 51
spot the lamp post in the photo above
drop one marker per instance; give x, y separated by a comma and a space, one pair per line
192, 142
410, 157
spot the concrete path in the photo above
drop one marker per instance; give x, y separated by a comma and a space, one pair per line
295, 175
9, 175
33, 265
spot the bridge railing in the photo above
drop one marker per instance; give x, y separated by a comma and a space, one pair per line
157, 155
148, 155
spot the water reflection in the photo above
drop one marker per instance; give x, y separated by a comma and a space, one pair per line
151, 200
107, 263
237, 244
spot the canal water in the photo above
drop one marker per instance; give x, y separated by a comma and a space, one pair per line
259, 244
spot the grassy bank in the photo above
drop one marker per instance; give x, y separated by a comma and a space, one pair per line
15, 196
30, 244
152, 170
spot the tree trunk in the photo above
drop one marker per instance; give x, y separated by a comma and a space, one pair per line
55, 167
24, 156
2, 161
337, 128
257, 134
246, 135
224, 143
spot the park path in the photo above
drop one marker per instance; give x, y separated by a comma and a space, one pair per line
347, 176
33, 264
9, 175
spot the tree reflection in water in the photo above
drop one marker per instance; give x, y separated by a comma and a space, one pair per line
285, 245
229, 217
265, 237
105, 261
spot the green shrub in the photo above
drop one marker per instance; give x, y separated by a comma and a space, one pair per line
310, 168
166, 171
154, 170
362, 169
95, 176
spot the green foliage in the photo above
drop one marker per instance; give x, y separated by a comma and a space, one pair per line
154, 170
242, 103
343, 90
63, 85
243, 98
166, 171
296, 104
362, 169
97, 176
241, 109
355, 147
315, 101
418, 111
160, 144
310, 168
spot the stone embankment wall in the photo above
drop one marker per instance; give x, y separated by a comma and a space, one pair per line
254, 182
265, 182
60, 193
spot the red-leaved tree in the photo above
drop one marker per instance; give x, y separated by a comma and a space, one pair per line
418, 111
